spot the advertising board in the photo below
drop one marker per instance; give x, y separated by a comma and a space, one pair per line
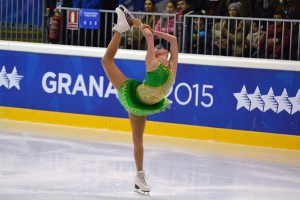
251, 99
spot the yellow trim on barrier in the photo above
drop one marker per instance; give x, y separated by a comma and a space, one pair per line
68, 119
258, 139
155, 128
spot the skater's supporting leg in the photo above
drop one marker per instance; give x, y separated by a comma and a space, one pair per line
115, 76
138, 126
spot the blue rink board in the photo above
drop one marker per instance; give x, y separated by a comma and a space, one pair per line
222, 97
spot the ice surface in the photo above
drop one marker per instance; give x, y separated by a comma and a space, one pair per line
40, 167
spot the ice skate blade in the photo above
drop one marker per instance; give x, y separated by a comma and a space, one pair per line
142, 192
126, 11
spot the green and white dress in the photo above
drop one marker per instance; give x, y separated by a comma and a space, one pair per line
148, 97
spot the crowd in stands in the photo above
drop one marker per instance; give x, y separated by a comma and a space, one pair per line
225, 36
247, 38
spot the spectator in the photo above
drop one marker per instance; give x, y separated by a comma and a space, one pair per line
212, 7
276, 39
135, 39
206, 7
285, 7
51, 4
198, 6
294, 14
166, 23
198, 35
265, 8
293, 9
253, 39
229, 34
246, 9
212, 10
184, 8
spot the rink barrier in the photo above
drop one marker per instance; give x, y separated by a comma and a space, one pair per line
216, 114
154, 128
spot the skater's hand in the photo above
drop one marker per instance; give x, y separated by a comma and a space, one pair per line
143, 26
136, 22
156, 34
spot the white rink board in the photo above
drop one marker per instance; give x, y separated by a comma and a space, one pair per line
140, 55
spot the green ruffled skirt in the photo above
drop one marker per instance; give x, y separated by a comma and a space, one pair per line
129, 99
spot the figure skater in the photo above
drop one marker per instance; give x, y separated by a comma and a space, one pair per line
142, 98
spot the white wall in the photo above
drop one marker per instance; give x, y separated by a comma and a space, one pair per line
140, 55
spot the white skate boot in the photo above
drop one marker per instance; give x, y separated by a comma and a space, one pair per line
140, 183
122, 24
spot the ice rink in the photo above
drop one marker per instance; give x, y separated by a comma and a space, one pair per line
43, 162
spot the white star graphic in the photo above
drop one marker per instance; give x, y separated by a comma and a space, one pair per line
270, 102
256, 101
14, 79
3, 77
243, 100
295, 101
283, 102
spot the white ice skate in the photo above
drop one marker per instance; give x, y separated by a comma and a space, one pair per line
140, 183
125, 10
122, 24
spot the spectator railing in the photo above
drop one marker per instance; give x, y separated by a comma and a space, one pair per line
102, 36
147, 15
281, 36
87, 37
23, 20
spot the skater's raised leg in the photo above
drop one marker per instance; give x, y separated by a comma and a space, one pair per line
113, 73
115, 76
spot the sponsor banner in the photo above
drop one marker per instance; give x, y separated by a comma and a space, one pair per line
223, 97
89, 19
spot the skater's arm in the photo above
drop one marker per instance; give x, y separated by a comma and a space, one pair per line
173, 45
151, 60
